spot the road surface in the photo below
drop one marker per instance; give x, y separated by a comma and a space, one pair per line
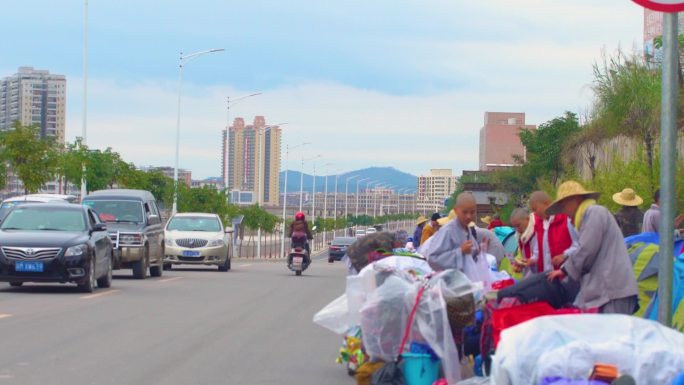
251, 325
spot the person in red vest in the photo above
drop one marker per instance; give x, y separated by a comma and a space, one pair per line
556, 236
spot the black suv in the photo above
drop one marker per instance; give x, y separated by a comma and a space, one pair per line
135, 227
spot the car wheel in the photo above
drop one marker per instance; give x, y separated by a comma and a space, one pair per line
331, 259
106, 281
140, 266
16, 284
88, 285
158, 270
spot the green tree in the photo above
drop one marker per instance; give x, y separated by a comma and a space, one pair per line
256, 217
206, 200
31, 158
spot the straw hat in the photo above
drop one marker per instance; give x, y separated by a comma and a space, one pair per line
444, 220
567, 190
421, 220
486, 220
627, 197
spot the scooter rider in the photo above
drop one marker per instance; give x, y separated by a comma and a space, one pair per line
301, 234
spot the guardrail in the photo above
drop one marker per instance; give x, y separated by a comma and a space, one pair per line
271, 243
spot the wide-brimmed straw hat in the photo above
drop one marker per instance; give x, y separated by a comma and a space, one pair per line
486, 220
421, 220
627, 197
567, 190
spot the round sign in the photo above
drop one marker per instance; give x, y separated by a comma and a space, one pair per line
662, 5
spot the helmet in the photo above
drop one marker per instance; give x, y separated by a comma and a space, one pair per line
300, 216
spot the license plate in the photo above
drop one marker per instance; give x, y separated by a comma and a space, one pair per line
190, 253
29, 266
297, 261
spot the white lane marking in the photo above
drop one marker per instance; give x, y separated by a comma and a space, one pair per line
170, 279
102, 294
246, 265
5, 316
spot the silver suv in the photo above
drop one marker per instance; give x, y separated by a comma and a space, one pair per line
135, 227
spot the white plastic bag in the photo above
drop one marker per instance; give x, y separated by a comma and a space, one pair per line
431, 323
335, 316
569, 346
478, 270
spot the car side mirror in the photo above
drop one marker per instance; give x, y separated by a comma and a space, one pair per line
153, 219
99, 227
329, 243
229, 230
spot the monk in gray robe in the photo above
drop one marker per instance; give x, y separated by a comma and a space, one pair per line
455, 241
601, 263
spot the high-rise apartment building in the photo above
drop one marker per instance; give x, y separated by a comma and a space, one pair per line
251, 159
434, 189
653, 28
500, 141
34, 97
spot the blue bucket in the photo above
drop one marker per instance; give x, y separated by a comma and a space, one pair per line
420, 369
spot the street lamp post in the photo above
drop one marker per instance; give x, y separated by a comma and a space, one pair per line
335, 195
325, 204
356, 212
85, 94
370, 183
260, 184
301, 181
287, 158
183, 59
346, 196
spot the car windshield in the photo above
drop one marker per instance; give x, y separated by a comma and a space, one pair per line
117, 211
37, 218
194, 224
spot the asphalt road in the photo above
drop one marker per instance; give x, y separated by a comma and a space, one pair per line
251, 325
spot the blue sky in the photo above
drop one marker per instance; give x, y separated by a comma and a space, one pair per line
401, 83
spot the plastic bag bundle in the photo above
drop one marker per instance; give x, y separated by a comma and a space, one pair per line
432, 325
568, 346
383, 318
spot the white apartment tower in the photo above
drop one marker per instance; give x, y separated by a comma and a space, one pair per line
34, 97
434, 189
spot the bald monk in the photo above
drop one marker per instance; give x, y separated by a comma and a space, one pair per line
455, 241
556, 237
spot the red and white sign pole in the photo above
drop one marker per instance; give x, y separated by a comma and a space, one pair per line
668, 150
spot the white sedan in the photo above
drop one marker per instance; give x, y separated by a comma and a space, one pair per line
197, 239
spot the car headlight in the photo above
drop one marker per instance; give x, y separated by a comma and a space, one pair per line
77, 250
215, 243
169, 242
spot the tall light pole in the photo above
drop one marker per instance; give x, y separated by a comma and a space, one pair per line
346, 196
313, 200
337, 175
356, 212
182, 60
85, 94
287, 159
301, 181
325, 203
370, 183
261, 168
226, 155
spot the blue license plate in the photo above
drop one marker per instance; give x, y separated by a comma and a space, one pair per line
29, 266
190, 253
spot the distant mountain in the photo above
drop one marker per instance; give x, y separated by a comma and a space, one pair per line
385, 175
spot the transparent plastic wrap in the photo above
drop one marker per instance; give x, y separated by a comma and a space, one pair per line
335, 316
383, 318
568, 346
360, 286
432, 324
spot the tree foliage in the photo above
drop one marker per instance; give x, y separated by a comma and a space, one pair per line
31, 158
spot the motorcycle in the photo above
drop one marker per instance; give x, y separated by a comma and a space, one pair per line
299, 259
